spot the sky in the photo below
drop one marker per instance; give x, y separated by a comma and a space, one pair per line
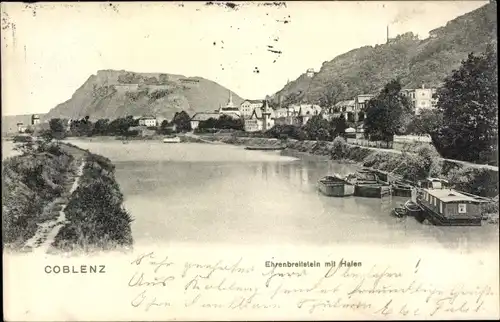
50, 49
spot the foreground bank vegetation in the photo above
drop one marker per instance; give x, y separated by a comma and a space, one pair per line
44, 171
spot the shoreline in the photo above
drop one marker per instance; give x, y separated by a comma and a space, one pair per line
479, 181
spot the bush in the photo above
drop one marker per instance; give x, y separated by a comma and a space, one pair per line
95, 212
340, 148
481, 182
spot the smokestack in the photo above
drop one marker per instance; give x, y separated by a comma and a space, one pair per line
387, 34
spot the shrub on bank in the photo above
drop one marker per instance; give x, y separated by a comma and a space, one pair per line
97, 219
340, 148
478, 181
30, 182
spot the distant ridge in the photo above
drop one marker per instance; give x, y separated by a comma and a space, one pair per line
413, 61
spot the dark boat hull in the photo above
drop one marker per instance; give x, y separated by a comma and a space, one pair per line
372, 190
264, 148
336, 190
439, 220
401, 191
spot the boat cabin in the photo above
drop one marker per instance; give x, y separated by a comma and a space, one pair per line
451, 204
433, 183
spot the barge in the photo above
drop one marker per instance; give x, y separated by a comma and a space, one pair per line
335, 186
172, 139
367, 184
265, 148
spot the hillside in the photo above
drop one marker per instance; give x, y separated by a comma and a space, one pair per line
414, 61
112, 94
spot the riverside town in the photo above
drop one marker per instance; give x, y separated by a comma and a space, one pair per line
388, 139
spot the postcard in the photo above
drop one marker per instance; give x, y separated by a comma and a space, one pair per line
305, 160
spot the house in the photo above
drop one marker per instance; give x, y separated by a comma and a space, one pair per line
310, 72
148, 121
202, 116
35, 119
361, 100
297, 114
247, 107
21, 128
347, 109
281, 112
262, 119
421, 98
306, 111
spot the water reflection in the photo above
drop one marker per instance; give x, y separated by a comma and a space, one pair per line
225, 194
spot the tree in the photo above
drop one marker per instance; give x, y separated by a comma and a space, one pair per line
427, 122
317, 128
468, 101
83, 127
57, 129
182, 120
385, 114
338, 126
101, 127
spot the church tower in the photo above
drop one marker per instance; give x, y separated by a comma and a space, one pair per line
266, 116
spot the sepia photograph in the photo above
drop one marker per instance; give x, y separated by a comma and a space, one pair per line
250, 160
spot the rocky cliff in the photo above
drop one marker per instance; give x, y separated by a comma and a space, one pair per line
112, 94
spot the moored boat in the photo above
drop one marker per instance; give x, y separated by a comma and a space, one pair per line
367, 184
399, 212
444, 206
335, 186
172, 139
265, 148
401, 190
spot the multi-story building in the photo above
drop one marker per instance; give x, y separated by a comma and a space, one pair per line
262, 119
35, 119
421, 98
346, 109
247, 107
149, 121
360, 102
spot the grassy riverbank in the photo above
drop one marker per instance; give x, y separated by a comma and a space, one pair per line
97, 219
30, 182
41, 184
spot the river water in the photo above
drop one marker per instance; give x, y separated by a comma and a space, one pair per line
223, 194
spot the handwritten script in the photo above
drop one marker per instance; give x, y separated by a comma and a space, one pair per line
371, 290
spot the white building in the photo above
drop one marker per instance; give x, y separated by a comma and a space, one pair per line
148, 121
421, 98
247, 107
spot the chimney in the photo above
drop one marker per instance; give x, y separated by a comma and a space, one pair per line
387, 34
